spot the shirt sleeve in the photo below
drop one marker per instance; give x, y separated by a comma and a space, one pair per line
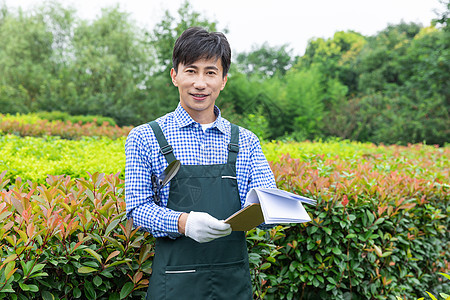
260, 173
158, 220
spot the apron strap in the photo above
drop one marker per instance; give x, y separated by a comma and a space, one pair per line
233, 146
165, 148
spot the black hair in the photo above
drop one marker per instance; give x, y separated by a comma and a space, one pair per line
196, 43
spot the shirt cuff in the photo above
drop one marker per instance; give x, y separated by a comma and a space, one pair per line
172, 231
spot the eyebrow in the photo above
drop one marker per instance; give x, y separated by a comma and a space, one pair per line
207, 68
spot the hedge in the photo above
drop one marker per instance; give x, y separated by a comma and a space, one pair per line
34, 159
379, 231
72, 128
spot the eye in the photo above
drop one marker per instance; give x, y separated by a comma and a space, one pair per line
211, 73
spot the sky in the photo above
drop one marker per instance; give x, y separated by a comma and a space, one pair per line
251, 23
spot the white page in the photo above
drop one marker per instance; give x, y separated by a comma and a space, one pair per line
287, 194
252, 197
281, 210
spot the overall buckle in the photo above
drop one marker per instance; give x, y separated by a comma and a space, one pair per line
233, 147
166, 149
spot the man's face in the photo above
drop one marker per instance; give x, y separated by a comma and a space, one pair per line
199, 85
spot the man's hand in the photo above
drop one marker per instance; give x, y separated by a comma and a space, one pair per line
202, 227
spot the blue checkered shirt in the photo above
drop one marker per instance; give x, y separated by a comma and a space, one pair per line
192, 146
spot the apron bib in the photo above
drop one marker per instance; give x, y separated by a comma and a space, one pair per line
185, 269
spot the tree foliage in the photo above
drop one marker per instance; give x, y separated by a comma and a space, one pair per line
265, 60
392, 87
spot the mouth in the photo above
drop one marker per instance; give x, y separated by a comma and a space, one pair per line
199, 96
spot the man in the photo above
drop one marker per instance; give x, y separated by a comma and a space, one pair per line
197, 256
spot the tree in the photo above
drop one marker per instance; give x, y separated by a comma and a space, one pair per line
335, 57
266, 61
378, 64
25, 59
170, 28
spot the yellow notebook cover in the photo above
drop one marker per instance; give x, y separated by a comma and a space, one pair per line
247, 218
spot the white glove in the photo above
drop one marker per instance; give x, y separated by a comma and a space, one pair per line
202, 227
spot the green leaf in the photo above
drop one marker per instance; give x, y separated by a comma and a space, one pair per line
94, 254
116, 244
108, 274
331, 280
7, 288
320, 278
126, 289
90, 290
350, 236
85, 270
265, 266
387, 253
112, 225
318, 257
24, 286
28, 287
90, 194
76, 292
379, 221
119, 262
336, 251
114, 296
378, 250
46, 295
370, 216
327, 230
42, 274
37, 268
313, 229
10, 258
97, 280
68, 269
271, 259
316, 282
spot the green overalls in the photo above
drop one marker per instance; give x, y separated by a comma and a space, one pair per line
185, 269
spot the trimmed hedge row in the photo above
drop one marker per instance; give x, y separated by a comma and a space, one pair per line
377, 233
34, 159
33, 125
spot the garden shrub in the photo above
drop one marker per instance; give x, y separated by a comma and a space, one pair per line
72, 129
376, 233
379, 230
35, 158
69, 239
83, 119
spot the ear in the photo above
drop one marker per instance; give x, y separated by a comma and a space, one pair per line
173, 75
224, 82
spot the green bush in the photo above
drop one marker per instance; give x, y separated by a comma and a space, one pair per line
69, 240
379, 230
64, 116
35, 158
69, 128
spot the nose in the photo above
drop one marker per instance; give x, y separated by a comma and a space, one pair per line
200, 82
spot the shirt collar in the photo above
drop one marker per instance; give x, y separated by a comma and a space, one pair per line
184, 119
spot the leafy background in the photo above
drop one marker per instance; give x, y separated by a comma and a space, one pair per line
392, 87
359, 123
